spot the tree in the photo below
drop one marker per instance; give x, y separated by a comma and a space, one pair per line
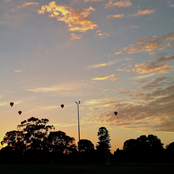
144, 148
61, 143
104, 138
170, 147
30, 138
86, 145
143, 143
103, 145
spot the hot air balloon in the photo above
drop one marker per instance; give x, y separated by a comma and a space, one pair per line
19, 112
11, 104
115, 113
62, 105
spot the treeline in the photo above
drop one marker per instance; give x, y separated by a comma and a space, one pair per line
36, 142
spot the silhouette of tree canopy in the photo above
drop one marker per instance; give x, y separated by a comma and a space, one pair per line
170, 147
151, 142
103, 145
86, 145
31, 134
61, 143
104, 138
34, 141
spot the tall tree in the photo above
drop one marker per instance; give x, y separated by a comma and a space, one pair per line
103, 145
104, 138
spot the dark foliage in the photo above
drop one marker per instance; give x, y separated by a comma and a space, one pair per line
35, 142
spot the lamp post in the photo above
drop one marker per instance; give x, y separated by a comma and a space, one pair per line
78, 129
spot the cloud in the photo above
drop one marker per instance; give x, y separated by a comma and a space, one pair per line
149, 44
154, 66
142, 77
143, 12
115, 16
64, 124
28, 4
75, 36
62, 87
149, 111
110, 77
76, 19
141, 82
165, 58
6, 0
92, 0
122, 3
117, 53
103, 35
156, 83
149, 66
170, 4
134, 26
128, 59
17, 71
101, 65
125, 69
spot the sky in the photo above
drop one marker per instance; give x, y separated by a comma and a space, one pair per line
111, 55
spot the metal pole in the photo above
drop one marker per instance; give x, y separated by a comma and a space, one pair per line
78, 130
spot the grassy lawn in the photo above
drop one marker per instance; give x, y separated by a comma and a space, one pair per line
89, 169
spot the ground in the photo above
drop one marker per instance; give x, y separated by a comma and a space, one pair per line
119, 168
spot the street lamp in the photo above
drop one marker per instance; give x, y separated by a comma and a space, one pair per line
78, 129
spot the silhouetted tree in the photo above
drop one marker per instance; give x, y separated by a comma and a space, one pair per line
86, 145
151, 142
87, 151
104, 138
30, 138
144, 148
61, 143
170, 147
103, 145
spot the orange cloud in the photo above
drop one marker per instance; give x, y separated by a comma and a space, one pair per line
27, 4
141, 82
122, 3
149, 44
144, 12
163, 71
75, 36
152, 111
128, 58
117, 53
76, 19
149, 66
100, 65
115, 16
110, 77
103, 34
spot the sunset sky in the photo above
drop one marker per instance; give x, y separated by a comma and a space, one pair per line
111, 55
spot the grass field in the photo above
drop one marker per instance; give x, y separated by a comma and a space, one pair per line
130, 168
